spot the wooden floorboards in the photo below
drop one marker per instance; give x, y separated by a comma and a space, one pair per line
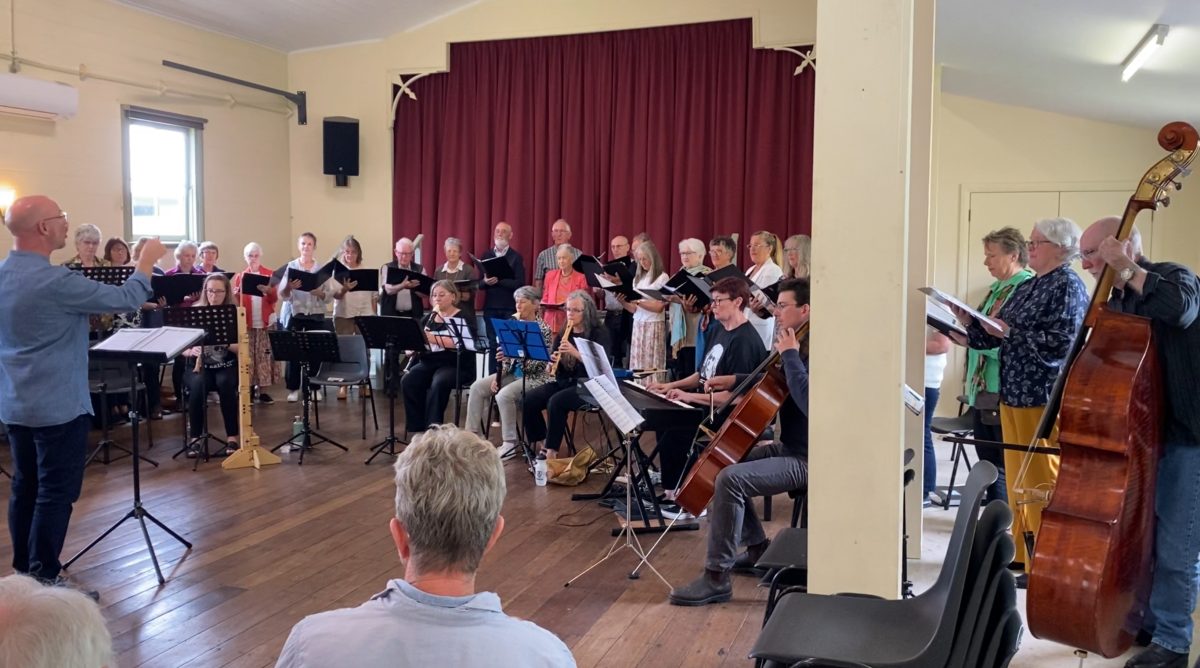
275, 545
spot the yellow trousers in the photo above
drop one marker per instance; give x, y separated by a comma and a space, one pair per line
1019, 425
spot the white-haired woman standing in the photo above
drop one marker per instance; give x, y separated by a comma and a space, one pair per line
455, 269
684, 317
1038, 324
260, 314
648, 349
87, 247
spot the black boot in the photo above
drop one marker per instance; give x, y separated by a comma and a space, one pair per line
1157, 656
744, 564
712, 587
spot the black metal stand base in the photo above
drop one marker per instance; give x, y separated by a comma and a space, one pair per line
141, 514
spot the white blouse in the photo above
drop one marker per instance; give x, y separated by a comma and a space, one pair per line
646, 315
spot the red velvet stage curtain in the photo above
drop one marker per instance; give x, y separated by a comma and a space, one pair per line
683, 131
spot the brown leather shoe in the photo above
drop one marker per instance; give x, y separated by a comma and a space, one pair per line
1157, 656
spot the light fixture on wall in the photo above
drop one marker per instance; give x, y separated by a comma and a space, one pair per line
1144, 51
7, 197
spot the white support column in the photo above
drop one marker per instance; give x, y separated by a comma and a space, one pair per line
865, 170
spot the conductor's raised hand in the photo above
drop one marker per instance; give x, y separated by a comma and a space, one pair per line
154, 249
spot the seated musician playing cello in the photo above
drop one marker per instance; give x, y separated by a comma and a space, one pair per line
734, 347
780, 466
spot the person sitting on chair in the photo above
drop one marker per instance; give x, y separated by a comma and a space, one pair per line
428, 383
50, 627
449, 490
780, 466
734, 348
562, 395
218, 372
509, 396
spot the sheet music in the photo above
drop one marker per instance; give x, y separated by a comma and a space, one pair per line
595, 360
615, 406
604, 282
169, 341
936, 312
951, 300
459, 330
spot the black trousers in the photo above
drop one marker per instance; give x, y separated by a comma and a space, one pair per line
685, 362
620, 332
558, 399
991, 432
673, 446
225, 383
427, 386
303, 323
488, 314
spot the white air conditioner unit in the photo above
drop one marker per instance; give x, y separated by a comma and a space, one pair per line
37, 98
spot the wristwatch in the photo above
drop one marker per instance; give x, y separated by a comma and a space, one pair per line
1126, 274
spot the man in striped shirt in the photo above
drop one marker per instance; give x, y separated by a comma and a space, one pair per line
560, 232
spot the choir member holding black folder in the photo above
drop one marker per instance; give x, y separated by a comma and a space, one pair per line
503, 272
307, 287
400, 287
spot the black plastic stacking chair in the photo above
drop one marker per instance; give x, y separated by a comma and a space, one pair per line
909, 633
354, 368
962, 426
983, 579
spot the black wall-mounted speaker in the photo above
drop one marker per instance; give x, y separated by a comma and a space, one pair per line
341, 147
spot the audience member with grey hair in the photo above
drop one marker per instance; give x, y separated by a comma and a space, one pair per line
1037, 326
50, 627
449, 492
515, 377
87, 247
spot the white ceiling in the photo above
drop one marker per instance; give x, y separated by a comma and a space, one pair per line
294, 25
1057, 55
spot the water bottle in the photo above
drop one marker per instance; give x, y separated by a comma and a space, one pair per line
539, 470
297, 427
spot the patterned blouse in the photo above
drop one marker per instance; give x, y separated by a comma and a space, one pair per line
533, 369
1043, 315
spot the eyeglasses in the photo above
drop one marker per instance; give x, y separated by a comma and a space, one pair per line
62, 215
1034, 243
687, 252
214, 291
755, 246
718, 300
785, 304
1089, 254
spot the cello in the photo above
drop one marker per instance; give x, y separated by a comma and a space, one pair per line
757, 401
1090, 572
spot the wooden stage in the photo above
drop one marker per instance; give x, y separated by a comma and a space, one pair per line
274, 545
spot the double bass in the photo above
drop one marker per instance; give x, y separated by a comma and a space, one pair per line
1090, 572
753, 406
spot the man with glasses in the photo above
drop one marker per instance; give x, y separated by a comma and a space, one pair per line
498, 300
735, 348
43, 375
547, 260
1168, 294
399, 299
617, 320
780, 466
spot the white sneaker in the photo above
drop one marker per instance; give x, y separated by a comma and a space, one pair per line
319, 395
508, 451
674, 512
293, 396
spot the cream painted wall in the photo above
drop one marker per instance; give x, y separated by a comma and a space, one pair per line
984, 143
356, 81
78, 161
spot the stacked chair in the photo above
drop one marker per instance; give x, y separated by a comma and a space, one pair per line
968, 618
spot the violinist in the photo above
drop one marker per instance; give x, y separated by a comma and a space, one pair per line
428, 383
780, 466
735, 348
1168, 294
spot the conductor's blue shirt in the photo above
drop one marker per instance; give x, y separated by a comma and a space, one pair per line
44, 312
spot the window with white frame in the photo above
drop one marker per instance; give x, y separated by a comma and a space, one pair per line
164, 192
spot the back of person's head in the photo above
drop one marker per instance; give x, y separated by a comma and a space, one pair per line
50, 627
449, 490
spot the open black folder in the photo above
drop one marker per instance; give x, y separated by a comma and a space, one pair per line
496, 267
589, 266
311, 280
176, 287
250, 283
396, 276
365, 280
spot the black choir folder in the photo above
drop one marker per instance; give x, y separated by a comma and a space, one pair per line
365, 280
176, 287
311, 280
396, 276
250, 283
497, 267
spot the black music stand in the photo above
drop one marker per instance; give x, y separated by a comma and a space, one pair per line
390, 334
220, 325
137, 346
309, 348
464, 339
521, 341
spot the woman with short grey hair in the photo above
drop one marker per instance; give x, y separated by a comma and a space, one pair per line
457, 269
1037, 326
683, 318
87, 247
512, 379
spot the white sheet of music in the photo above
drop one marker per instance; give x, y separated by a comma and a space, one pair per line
169, 341
595, 360
614, 404
951, 300
458, 329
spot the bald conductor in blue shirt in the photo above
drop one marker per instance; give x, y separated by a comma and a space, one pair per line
44, 312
